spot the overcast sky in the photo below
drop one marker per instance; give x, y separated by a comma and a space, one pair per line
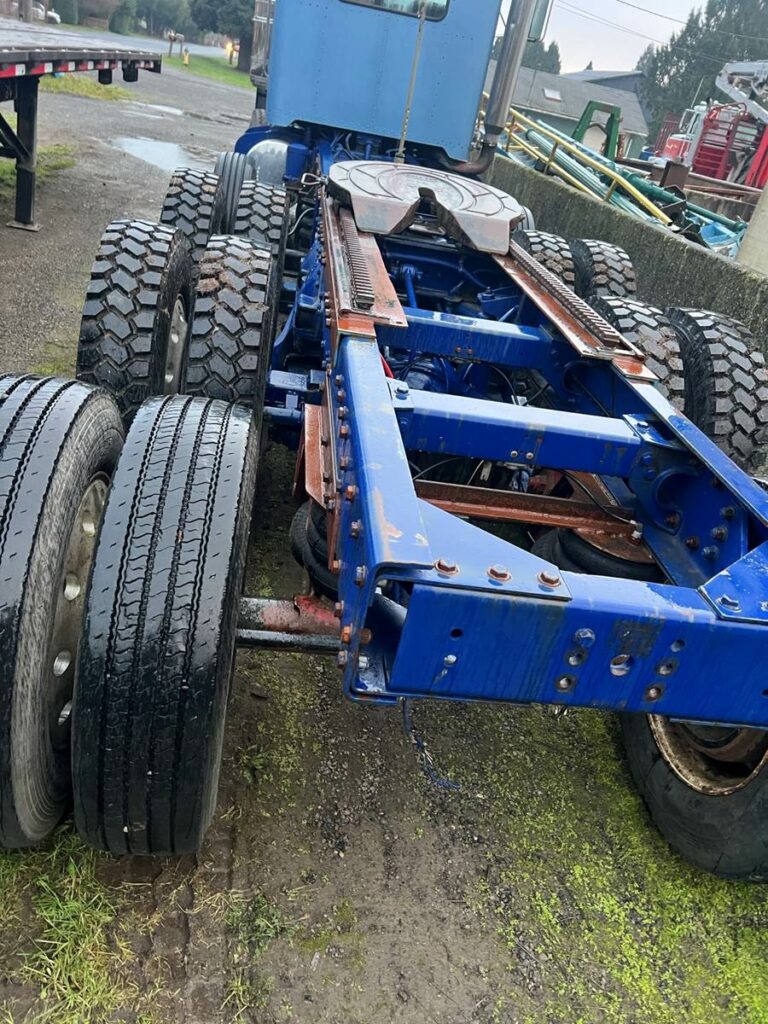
582, 39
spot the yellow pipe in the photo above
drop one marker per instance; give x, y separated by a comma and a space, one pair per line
537, 154
619, 181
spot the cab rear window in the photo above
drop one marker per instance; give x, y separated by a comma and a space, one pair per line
436, 9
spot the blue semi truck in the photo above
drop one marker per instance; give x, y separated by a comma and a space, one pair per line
515, 481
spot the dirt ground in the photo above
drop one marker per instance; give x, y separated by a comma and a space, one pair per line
338, 885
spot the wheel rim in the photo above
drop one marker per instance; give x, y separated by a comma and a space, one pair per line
177, 338
713, 760
70, 606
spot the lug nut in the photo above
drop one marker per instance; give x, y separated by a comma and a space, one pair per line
547, 578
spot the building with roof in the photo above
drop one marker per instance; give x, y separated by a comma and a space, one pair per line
561, 100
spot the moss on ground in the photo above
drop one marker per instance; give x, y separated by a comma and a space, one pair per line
601, 921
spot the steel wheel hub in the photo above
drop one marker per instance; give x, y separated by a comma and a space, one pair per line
177, 339
713, 760
70, 607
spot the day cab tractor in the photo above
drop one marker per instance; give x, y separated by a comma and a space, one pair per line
515, 481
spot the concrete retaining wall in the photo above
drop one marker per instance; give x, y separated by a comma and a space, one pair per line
671, 271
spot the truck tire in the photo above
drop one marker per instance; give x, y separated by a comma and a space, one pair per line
232, 170
159, 636
196, 206
262, 216
59, 442
706, 788
726, 383
552, 251
650, 330
310, 549
602, 269
234, 323
135, 327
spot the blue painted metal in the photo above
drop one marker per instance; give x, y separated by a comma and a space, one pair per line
457, 613
348, 67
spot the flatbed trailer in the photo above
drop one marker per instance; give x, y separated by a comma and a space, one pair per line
21, 69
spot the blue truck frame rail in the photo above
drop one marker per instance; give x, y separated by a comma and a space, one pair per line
455, 612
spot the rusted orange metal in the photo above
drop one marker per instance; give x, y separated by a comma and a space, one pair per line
540, 510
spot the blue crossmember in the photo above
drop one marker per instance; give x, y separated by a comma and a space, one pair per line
443, 628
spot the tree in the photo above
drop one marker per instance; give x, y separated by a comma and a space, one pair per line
536, 56
163, 14
687, 66
232, 18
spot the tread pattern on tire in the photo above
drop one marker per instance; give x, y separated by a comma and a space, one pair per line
262, 215
51, 432
234, 322
552, 251
196, 206
123, 332
650, 330
602, 269
726, 383
232, 169
159, 636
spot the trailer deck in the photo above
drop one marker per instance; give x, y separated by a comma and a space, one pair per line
21, 69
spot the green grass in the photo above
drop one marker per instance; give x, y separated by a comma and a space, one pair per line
254, 924
83, 85
73, 959
217, 68
50, 160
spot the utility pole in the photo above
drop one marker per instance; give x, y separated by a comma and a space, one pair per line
25, 9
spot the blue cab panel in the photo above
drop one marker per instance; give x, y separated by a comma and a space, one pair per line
346, 66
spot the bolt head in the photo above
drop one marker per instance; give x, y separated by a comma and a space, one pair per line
500, 573
350, 493
692, 543
654, 693
336, 566
344, 430
356, 529
346, 635
342, 659
401, 389
338, 609
363, 663
565, 684
450, 660
343, 412
514, 455
711, 553
338, 379
446, 566
361, 574
548, 578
